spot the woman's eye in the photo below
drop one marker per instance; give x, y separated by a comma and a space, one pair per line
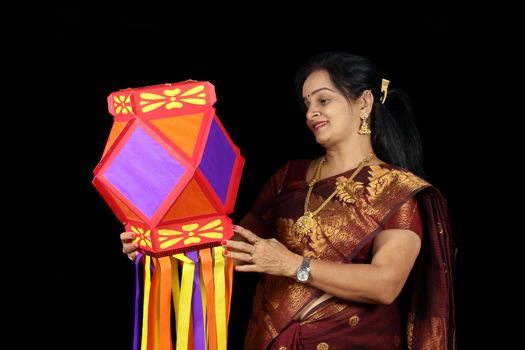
324, 101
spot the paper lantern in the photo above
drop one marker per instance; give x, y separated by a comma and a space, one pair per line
171, 173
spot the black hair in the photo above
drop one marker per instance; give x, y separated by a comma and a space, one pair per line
395, 137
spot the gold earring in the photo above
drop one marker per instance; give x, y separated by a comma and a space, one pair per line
364, 129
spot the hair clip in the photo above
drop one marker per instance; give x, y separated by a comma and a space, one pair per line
384, 89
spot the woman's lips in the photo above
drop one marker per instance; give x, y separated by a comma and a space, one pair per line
318, 126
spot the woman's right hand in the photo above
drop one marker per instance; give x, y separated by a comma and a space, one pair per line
128, 247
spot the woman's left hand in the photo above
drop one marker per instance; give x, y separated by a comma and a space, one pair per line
261, 255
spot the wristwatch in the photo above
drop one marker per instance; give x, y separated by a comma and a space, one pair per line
302, 274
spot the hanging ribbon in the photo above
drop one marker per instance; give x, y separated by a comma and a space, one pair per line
137, 303
165, 304
197, 313
153, 307
145, 302
183, 326
175, 287
220, 300
200, 294
209, 287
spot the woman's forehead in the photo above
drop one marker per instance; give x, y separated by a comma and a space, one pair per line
316, 81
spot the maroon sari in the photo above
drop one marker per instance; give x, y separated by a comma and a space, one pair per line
423, 315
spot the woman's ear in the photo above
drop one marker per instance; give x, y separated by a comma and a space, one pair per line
366, 101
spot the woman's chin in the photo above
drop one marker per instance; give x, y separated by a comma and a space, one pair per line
323, 141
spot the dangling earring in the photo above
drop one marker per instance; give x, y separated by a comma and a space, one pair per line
364, 129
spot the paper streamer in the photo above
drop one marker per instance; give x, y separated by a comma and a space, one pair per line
197, 287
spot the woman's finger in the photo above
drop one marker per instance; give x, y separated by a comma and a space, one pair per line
247, 234
238, 256
128, 248
127, 236
239, 246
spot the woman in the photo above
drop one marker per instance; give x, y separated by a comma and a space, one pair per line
354, 247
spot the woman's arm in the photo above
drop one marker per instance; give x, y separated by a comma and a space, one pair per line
381, 281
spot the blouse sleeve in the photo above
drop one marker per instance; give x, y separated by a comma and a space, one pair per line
407, 217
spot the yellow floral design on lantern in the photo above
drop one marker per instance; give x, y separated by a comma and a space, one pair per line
122, 104
170, 98
191, 233
143, 237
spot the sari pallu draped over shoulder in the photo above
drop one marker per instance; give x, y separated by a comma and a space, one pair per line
342, 229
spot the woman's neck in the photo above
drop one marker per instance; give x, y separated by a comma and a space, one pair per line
340, 160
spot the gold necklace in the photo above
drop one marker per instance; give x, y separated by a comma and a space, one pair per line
306, 222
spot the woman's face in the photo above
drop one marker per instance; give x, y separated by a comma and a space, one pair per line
330, 115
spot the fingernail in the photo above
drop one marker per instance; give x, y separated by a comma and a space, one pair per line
132, 235
225, 252
136, 245
224, 242
235, 227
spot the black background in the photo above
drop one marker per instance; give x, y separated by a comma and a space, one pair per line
251, 58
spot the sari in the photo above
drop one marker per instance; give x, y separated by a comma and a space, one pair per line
422, 317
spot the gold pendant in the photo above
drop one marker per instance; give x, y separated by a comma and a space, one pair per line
304, 225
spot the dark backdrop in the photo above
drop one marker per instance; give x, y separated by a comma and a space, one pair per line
251, 60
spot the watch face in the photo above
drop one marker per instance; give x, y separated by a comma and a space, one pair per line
302, 275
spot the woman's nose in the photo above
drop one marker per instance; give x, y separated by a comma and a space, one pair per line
311, 115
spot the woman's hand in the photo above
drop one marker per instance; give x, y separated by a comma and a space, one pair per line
261, 255
128, 247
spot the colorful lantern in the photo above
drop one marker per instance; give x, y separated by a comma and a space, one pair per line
171, 173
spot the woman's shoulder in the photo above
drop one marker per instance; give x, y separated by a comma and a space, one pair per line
395, 175
391, 185
292, 172
291, 169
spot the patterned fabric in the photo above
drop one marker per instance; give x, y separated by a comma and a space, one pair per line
383, 196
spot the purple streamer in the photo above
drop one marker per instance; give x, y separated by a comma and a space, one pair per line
137, 303
196, 305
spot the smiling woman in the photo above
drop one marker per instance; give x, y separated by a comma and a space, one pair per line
349, 244
354, 248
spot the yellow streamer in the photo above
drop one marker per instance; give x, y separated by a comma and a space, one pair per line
220, 297
183, 325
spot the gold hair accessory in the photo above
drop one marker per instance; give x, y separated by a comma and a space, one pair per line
364, 129
304, 225
384, 90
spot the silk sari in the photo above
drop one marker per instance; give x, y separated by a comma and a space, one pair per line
423, 315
